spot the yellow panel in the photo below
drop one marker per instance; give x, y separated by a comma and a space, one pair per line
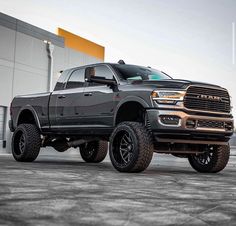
81, 44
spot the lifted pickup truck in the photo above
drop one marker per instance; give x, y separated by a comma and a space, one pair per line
138, 110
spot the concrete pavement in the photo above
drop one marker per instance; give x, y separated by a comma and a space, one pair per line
63, 190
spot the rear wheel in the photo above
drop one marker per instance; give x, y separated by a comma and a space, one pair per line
213, 160
26, 143
94, 151
131, 147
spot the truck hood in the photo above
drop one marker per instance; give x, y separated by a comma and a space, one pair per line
172, 83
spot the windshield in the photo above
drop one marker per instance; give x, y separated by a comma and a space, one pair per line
132, 72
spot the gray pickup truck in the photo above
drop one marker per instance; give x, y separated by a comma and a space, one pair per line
138, 110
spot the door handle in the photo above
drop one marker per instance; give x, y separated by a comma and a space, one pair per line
62, 96
88, 94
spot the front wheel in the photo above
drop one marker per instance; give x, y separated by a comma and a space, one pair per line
131, 147
213, 160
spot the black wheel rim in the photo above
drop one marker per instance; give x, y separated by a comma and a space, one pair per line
88, 149
22, 143
19, 143
205, 158
126, 148
123, 148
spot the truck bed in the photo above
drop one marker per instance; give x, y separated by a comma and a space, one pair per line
37, 103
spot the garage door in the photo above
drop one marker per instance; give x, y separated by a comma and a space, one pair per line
2, 122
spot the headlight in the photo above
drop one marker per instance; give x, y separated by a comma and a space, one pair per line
168, 97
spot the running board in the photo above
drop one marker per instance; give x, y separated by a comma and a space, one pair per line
177, 152
179, 141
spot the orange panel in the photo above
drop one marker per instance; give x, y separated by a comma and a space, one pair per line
81, 44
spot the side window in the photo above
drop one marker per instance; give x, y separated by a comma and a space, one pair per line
76, 79
101, 71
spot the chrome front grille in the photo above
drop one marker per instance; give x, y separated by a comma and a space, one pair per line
207, 99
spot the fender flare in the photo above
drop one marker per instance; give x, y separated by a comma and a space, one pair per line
32, 110
129, 99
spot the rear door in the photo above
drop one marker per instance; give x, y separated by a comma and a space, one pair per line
98, 106
69, 101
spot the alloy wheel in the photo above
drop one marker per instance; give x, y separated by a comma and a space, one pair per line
126, 148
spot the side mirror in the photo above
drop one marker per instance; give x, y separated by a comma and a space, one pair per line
102, 80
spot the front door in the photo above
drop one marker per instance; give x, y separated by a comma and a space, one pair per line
98, 106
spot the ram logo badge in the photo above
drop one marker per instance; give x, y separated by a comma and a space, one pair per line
209, 97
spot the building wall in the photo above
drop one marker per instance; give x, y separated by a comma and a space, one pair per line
24, 62
81, 44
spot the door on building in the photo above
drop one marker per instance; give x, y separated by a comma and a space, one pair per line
2, 124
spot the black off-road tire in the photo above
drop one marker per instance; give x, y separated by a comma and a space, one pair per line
134, 155
26, 143
218, 161
94, 152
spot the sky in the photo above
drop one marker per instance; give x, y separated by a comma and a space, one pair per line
188, 39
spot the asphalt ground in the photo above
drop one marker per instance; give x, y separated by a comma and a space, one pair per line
61, 189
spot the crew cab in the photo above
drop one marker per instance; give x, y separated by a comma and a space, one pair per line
137, 110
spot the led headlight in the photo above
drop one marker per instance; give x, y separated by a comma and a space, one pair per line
168, 97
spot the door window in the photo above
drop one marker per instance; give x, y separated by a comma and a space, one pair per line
76, 79
101, 71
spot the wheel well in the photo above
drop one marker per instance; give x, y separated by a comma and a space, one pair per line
26, 117
130, 111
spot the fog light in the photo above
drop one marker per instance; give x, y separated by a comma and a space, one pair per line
170, 120
191, 123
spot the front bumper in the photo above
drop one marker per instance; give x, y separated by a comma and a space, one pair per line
189, 126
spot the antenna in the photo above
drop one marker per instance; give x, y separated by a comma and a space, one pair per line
121, 62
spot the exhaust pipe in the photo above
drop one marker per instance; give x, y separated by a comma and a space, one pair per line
76, 143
